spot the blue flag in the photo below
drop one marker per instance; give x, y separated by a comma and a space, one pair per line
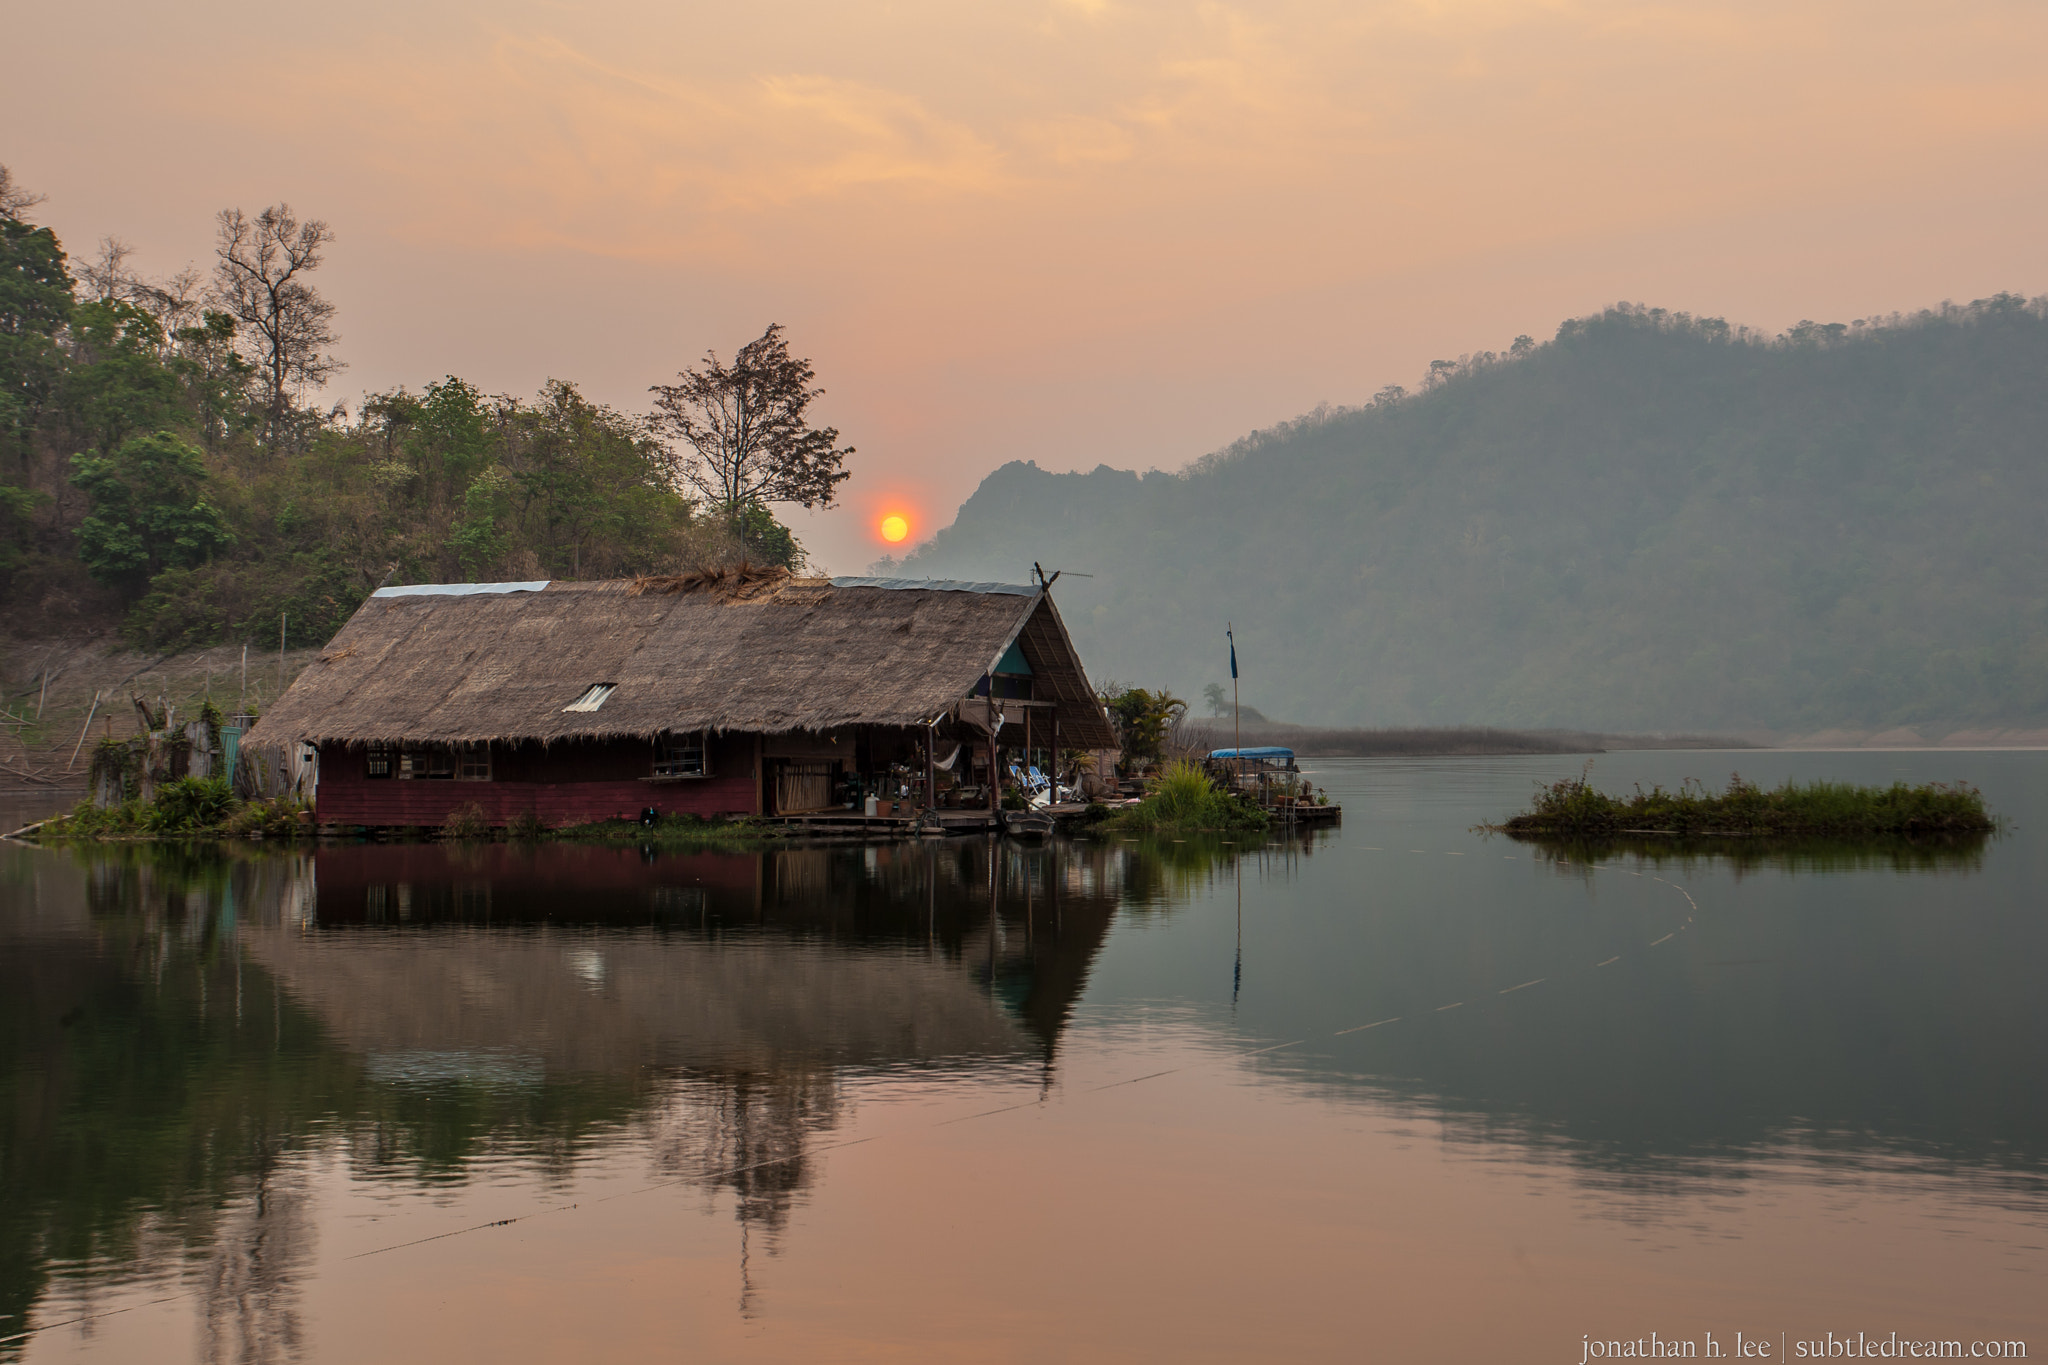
1233, 653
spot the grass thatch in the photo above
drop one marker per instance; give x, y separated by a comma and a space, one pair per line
732, 649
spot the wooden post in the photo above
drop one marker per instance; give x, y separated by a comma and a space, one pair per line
995, 786
931, 766
1027, 750
1055, 756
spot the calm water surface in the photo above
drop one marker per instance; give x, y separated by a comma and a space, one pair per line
1403, 1091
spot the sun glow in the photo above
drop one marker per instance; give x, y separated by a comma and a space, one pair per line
894, 528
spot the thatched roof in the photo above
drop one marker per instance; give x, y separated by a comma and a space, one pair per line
462, 663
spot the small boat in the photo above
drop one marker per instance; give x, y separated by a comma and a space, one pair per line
1270, 776
1028, 824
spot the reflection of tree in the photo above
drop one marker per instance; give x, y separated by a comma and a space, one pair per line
746, 1134
209, 1015
147, 1079
250, 1285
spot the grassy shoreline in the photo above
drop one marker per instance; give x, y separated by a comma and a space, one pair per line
217, 816
1574, 808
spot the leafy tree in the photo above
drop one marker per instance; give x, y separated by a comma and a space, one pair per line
590, 492
478, 538
17, 506
35, 303
1218, 699
748, 437
117, 383
1144, 719
259, 279
218, 379
149, 510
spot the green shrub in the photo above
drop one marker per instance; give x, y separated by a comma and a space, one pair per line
466, 821
87, 821
278, 818
527, 826
190, 805
1183, 798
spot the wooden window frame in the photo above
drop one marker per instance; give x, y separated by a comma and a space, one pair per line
426, 763
671, 749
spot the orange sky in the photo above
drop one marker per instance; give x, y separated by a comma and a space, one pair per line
1075, 231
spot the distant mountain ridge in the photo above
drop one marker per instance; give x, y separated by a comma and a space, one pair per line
1650, 522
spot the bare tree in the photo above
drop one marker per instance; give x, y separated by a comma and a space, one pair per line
259, 281
749, 441
106, 277
13, 198
174, 300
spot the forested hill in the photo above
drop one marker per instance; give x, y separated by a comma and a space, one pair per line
1650, 522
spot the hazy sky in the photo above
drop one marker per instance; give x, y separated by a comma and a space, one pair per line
1075, 231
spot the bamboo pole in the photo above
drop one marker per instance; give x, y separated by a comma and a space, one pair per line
84, 729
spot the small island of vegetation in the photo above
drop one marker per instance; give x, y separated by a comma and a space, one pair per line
1574, 808
1182, 799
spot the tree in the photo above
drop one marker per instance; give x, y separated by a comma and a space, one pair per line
1144, 719
217, 377
35, 303
750, 443
13, 198
1218, 699
116, 384
173, 302
149, 510
259, 280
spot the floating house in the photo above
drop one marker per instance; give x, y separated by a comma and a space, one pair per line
733, 693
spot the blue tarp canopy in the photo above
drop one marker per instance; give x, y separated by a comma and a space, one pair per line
1269, 754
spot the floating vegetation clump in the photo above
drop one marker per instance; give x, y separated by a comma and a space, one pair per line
1575, 808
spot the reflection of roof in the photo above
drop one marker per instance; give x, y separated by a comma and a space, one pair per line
746, 650
1277, 755
448, 1001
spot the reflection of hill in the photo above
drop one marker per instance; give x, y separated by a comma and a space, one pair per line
1879, 1019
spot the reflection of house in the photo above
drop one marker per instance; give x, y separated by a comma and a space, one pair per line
749, 694
733, 990
594, 960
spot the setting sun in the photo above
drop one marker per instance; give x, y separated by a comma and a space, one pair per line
894, 528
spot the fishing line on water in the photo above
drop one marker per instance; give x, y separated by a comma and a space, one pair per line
728, 1173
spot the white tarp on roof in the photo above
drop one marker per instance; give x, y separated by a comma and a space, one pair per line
458, 589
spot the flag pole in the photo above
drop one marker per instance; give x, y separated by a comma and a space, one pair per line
1236, 728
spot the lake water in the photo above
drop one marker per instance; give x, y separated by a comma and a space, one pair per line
1400, 1091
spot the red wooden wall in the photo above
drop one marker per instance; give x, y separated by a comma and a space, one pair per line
564, 784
